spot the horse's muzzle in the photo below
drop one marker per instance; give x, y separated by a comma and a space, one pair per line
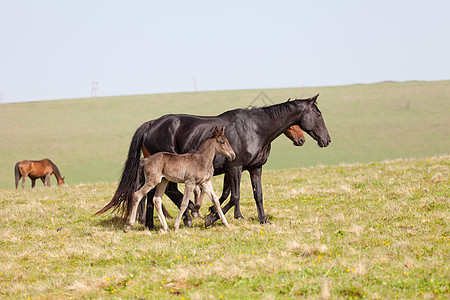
324, 143
299, 142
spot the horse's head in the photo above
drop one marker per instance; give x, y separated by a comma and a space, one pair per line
295, 134
223, 145
311, 121
61, 181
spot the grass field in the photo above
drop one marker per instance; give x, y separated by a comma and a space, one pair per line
88, 139
377, 230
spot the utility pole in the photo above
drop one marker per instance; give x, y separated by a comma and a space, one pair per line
94, 90
195, 83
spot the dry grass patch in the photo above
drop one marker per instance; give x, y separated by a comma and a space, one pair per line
351, 231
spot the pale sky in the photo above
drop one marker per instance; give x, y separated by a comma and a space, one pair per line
56, 49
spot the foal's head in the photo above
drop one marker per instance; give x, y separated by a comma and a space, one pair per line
222, 144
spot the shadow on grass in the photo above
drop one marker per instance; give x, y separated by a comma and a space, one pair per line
118, 223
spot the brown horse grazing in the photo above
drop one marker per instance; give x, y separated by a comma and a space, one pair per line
191, 169
35, 169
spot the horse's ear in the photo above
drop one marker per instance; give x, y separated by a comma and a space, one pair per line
313, 99
289, 99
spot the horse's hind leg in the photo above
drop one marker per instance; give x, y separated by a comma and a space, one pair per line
33, 183
157, 201
189, 187
208, 189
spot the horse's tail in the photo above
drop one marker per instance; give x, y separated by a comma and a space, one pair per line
123, 197
17, 173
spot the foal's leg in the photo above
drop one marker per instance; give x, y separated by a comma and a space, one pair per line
189, 187
157, 201
235, 183
137, 196
198, 196
208, 189
177, 197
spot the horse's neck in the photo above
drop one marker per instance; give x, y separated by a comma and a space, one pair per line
206, 151
273, 120
56, 172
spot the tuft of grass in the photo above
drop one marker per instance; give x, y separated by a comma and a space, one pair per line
375, 230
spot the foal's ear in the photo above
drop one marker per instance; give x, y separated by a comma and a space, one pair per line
216, 131
223, 130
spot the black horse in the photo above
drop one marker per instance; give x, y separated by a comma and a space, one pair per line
250, 132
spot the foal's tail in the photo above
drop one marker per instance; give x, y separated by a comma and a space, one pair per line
123, 197
17, 174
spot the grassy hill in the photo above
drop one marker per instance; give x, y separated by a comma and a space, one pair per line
372, 230
88, 138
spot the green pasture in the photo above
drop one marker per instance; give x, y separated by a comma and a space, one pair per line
352, 231
88, 138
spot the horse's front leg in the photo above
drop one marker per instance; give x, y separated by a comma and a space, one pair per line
47, 180
33, 183
208, 189
189, 187
255, 177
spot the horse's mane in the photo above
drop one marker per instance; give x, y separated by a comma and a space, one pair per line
56, 170
274, 111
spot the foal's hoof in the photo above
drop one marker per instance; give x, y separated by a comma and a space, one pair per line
126, 229
195, 214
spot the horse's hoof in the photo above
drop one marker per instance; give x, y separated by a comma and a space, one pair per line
210, 219
239, 216
188, 223
195, 214
265, 222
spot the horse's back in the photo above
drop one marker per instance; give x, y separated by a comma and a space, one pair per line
36, 168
